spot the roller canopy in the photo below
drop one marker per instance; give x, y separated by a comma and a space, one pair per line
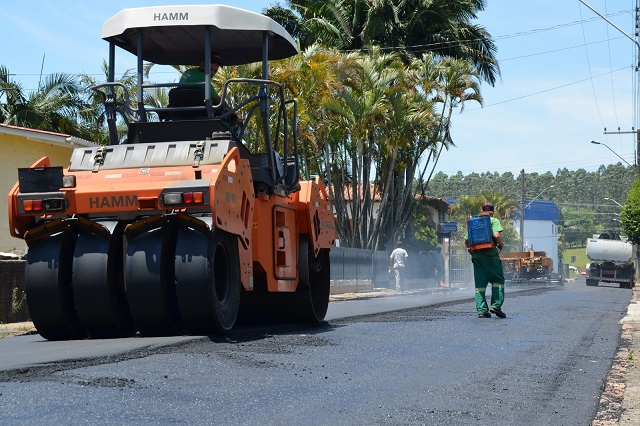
174, 35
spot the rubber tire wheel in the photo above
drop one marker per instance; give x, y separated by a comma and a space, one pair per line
225, 280
48, 287
315, 281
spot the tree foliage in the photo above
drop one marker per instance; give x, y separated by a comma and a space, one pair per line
57, 105
630, 214
587, 200
409, 28
374, 128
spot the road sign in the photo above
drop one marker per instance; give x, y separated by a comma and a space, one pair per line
449, 227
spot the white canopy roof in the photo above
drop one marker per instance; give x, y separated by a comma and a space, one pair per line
174, 35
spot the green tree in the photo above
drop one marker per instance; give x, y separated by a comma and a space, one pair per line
55, 106
423, 229
409, 27
94, 115
630, 214
576, 226
366, 123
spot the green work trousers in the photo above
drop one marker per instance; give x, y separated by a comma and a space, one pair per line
488, 270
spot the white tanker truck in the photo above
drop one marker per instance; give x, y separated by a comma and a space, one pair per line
612, 260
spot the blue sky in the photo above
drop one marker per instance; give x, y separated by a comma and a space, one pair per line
566, 75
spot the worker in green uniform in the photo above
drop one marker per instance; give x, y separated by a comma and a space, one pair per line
487, 268
198, 75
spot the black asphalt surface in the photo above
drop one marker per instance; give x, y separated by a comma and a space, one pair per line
545, 364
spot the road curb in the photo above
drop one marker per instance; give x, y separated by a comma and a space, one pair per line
630, 414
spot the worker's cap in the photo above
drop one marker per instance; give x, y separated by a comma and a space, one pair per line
487, 207
216, 59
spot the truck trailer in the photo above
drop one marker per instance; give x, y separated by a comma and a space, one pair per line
612, 260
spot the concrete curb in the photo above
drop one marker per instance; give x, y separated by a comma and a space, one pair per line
630, 411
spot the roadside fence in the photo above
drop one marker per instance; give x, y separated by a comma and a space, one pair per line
359, 270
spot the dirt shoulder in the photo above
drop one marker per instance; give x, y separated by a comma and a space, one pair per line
16, 329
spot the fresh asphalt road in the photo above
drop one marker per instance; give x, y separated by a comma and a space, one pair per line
24, 351
440, 364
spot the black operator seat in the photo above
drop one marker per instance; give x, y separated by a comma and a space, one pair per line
261, 172
180, 97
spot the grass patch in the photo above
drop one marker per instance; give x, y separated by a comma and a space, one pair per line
16, 329
581, 257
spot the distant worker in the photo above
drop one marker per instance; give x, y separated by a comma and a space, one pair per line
487, 268
397, 264
439, 267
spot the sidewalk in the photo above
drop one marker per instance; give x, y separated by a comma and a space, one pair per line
629, 357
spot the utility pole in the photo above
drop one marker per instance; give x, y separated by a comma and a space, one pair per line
637, 150
522, 212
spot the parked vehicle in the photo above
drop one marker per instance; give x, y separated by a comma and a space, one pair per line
612, 260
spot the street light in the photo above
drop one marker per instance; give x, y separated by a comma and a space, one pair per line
522, 215
604, 144
611, 199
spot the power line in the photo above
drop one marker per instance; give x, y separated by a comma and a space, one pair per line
559, 49
613, 92
593, 88
455, 43
546, 90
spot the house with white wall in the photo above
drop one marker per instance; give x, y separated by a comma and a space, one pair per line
541, 219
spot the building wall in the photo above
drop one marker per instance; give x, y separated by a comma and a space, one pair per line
15, 152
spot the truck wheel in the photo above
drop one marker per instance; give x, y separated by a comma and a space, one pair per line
591, 282
308, 303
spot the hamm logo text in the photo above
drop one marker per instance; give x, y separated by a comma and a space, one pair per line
178, 16
113, 201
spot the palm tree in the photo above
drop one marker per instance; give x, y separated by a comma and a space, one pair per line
55, 106
410, 27
362, 109
94, 114
454, 83
365, 124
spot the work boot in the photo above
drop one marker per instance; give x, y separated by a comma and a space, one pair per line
497, 312
485, 315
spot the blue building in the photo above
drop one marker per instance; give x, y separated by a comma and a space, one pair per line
541, 219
